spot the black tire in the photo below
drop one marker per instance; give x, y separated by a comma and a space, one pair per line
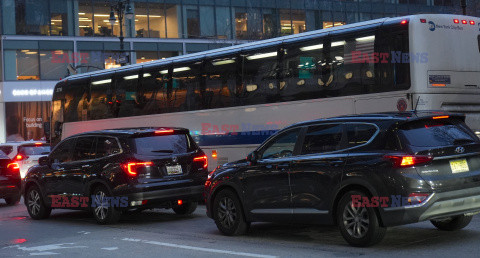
228, 214
186, 208
104, 213
359, 226
452, 223
36, 207
13, 200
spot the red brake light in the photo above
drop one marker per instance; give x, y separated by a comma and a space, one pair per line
38, 143
132, 167
163, 131
423, 20
472, 22
456, 21
20, 157
404, 22
408, 161
464, 21
440, 117
14, 167
203, 159
179, 202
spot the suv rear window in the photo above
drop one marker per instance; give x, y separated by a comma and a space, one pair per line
441, 132
6, 149
163, 145
34, 150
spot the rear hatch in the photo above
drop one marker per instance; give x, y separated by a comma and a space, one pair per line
32, 152
170, 160
454, 147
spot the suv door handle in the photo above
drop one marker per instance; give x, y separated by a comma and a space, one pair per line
86, 166
283, 165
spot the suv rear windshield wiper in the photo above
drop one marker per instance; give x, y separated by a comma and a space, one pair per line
164, 151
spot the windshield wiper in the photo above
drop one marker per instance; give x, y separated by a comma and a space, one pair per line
164, 151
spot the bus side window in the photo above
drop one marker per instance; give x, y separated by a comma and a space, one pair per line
221, 73
187, 94
74, 98
126, 84
101, 102
260, 70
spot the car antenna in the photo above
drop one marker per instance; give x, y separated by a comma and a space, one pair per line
416, 105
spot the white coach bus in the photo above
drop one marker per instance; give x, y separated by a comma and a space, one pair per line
233, 98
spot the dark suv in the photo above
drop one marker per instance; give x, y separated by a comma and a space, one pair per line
363, 173
112, 171
10, 180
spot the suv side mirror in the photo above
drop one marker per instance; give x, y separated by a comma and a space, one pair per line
252, 157
43, 161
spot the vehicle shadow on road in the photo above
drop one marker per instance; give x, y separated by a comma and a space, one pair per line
411, 237
134, 218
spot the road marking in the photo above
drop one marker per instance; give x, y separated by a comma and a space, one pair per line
110, 248
44, 253
210, 250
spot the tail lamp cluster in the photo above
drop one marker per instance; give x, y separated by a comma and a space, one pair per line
403, 161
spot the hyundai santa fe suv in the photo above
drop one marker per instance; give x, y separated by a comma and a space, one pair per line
112, 171
363, 173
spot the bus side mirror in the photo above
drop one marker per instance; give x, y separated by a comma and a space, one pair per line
252, 157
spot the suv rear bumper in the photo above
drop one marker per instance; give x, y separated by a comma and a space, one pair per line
158, 198
438, 205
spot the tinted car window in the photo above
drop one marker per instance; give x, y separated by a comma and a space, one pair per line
63, 152
107, 146
34, 150
282, 146
84, 148
358, 134
439, 132
160, 145
6, 149
323, 138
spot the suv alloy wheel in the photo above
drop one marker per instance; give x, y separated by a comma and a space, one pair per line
359, 226
35, 204
103, 211
228, 214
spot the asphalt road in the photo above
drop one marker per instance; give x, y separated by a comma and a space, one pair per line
161, 233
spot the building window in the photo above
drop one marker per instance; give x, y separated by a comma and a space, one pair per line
193, 23
298, 21
101, 22
27, 64
241, 24
156, 19
21, 129
172, 20
269, 23
146, 56
85, 18
53, 63
141, 20
32, 17
285, 22
58, 18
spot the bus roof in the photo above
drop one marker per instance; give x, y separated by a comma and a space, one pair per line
252, 45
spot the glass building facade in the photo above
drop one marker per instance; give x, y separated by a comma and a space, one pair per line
46, 40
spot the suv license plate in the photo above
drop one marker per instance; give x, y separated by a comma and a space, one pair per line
174, 170
459, 166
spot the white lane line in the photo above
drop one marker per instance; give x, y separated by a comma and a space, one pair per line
110, 248
210, 250
44, 253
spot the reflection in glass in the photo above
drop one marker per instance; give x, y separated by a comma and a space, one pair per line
85, 16
27, 65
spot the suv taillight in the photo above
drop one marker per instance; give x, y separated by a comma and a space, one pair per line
203, 160
20, 157
131, 168
13, 168
401, 161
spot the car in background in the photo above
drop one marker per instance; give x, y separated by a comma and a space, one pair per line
26, 153
119, 170
363, 173
10, 181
